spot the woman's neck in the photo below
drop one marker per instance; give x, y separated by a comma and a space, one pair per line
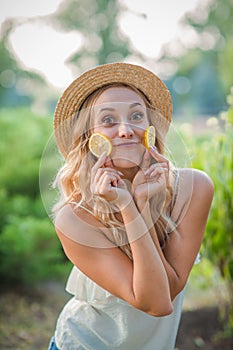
129, 173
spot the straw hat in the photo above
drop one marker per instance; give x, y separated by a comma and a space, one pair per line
76, 93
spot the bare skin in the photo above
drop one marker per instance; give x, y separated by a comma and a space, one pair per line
152, 280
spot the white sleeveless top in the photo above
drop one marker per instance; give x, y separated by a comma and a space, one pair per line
94, 319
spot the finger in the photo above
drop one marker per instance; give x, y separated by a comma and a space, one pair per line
109, 171
158, 172
154, 166
100, 162
100, 175
145, 161
157, 156
106, 184
121, 184
155, 173
109, 162
109, 178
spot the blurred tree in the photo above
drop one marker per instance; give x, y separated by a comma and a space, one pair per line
196, 86
204, 66
96, 20
16, 84
214, 27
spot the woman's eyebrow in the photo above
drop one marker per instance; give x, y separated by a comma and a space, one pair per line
107, 109
100, 111
132, 105
111, 109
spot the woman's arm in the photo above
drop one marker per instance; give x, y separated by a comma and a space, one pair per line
184, 243
142, 282
150, 285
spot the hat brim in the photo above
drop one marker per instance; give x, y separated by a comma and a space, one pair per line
73, 97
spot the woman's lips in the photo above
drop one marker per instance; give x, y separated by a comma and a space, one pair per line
127, 144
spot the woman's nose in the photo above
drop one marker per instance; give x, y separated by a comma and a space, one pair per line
125, 130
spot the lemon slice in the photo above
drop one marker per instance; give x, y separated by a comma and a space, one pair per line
149, 136
99, 143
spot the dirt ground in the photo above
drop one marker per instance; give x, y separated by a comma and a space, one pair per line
202, 329
27, 321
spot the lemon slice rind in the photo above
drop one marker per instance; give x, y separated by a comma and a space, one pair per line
149, 136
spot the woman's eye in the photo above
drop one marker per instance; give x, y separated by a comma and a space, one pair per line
137, 116
108, 120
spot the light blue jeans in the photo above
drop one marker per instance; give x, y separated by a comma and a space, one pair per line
52, 345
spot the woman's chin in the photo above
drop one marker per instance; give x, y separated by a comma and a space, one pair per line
126, 163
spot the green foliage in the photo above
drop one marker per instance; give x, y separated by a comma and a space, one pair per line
221, 219
29, 248
215, 18
22, 137
215, 156
219, 28
204, 72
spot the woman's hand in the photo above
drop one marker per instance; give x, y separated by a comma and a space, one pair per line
106, 182
151, 178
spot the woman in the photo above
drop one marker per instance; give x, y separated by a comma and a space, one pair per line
130, 222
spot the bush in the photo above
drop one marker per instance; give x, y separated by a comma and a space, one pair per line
29, 248
215, 156
30, 251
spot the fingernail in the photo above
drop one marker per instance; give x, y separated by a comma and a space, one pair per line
120, 173
103, 154
152, 174
154, 148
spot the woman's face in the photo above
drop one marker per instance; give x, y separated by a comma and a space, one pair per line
120, 114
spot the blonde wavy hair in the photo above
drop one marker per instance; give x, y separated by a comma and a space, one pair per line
74, 177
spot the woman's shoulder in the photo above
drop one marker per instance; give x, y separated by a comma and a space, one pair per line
195, 187
76, 214
82, 227
195, 180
